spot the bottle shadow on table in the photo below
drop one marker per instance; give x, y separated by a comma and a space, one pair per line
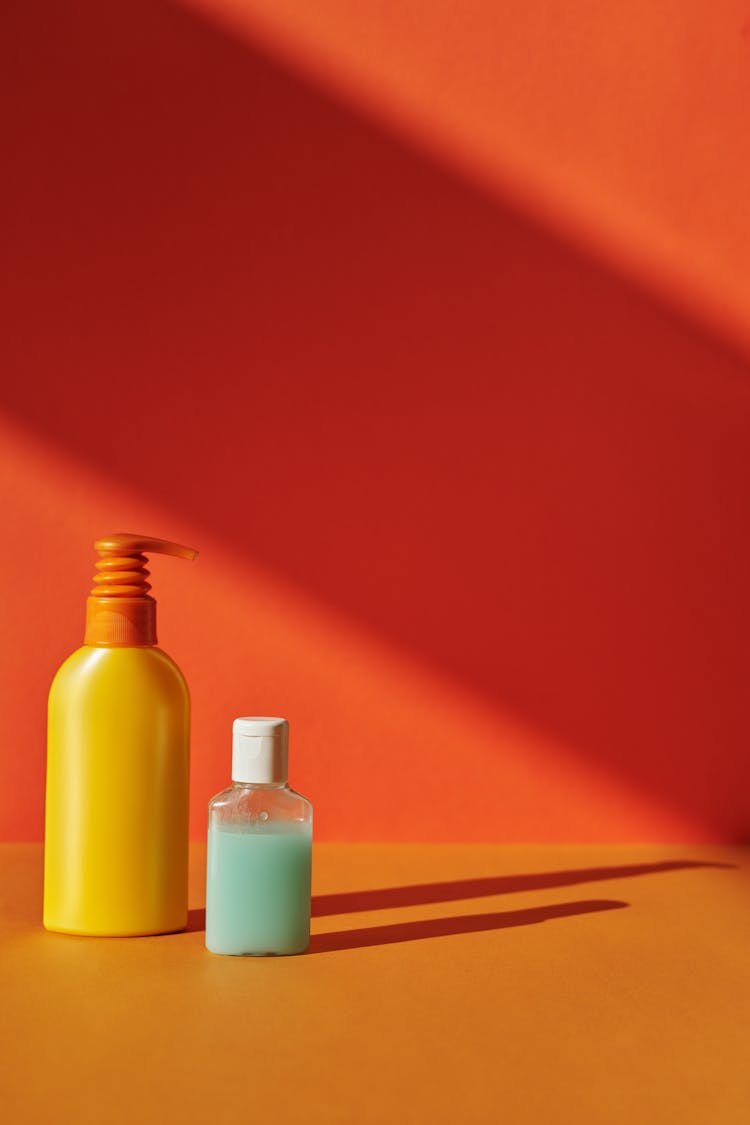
425, 893
461, 924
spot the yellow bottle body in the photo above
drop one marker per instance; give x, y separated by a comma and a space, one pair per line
116, 830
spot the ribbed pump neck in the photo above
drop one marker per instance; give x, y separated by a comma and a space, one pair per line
119, 610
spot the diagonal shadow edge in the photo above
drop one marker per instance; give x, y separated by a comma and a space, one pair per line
568, 224
664, 309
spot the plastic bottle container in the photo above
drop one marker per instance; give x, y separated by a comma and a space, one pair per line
116, 832
259, 850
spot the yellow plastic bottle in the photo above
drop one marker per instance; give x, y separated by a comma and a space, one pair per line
116, 831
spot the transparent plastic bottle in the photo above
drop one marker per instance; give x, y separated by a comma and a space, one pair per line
259, 850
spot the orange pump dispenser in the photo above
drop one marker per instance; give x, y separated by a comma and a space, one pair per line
119, 610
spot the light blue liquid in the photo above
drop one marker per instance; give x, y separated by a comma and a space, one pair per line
258, 889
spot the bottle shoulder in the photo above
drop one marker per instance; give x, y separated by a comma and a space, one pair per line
249, 805
120, 652
92, 664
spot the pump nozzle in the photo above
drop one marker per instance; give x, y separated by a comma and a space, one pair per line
129, 544
119, 610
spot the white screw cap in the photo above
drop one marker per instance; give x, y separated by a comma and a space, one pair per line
260, 748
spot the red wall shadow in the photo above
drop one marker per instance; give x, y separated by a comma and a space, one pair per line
387, 386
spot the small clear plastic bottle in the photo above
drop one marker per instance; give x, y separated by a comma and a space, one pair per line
259, 850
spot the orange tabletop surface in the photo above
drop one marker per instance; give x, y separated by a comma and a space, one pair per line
444, 983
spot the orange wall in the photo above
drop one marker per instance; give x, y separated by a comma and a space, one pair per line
472, 507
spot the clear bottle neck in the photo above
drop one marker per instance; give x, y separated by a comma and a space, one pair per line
260, 784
